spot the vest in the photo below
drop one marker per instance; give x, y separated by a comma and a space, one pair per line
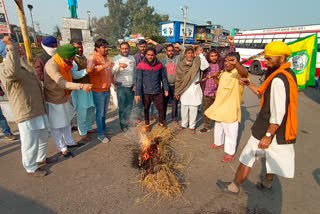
261, 124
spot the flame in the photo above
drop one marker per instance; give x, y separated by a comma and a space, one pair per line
149, 152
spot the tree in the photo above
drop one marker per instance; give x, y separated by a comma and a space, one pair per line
134, 16
57, 32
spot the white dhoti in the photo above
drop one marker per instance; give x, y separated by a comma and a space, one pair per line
34, 141
279, 158
60, 116
227, 134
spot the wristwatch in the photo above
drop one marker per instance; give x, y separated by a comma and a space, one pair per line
268, 134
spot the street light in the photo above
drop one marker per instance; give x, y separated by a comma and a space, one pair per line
34, 32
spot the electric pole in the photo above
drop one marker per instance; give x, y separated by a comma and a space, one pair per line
24, 30
185, 25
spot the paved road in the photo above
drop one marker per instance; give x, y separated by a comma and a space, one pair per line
100, 178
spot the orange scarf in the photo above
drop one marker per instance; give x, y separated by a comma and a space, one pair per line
292, 121
65, 70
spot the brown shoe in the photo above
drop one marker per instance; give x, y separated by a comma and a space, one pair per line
38, 173
10, 136
92, 131
49, 160
85, 138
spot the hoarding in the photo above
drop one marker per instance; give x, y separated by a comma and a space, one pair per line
189, 30
4, 21
167, 29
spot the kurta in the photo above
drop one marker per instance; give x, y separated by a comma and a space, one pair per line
226, 107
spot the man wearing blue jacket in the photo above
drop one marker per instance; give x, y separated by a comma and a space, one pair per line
150, 76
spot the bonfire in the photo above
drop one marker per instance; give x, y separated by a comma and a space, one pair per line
161, 170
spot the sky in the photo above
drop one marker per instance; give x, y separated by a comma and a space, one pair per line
245, 14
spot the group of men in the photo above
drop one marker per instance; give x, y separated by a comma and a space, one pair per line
142, 80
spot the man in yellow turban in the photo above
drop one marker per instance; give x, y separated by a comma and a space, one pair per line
275, 129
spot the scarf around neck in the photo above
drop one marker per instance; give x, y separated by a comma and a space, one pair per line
292, 120
186, 72
65, 70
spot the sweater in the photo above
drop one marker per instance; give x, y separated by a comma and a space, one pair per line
150, 77
124, 76
100, 77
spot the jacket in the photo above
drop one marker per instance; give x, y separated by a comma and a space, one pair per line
39, 64
100, 77
55, 84
22, 87
150, 77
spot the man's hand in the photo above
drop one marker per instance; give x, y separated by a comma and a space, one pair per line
87, 87
166, 93
7, 40
134, 87
177, 97
215, 74
244, 81
137, 99
150, 41
233, 61
265, 142
230, 39
123, 65
199, 51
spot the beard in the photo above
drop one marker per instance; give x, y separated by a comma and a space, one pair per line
271, 70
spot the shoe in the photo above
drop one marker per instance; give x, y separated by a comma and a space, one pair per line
67, 155
92, 131
228, 158
74, 128
79, 144
223, 187
215, 146
10, 136
162, 125
125, 129
103, 139
49, 160
38, 173
204, 130
85, 138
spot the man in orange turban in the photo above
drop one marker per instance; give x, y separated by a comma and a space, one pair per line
275, 128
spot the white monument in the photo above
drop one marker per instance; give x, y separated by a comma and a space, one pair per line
73, 28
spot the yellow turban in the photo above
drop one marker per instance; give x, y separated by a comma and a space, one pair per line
277, 48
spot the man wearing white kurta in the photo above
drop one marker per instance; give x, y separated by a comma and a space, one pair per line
275, 128
25, 96
57, 89
190, 94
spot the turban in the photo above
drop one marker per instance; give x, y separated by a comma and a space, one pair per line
67, 51
49, 41
277, 48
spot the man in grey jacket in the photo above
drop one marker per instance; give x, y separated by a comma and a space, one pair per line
25, 96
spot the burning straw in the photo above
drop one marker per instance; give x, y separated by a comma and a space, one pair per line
161, 170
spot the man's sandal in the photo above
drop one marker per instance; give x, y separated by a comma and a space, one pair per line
223, 187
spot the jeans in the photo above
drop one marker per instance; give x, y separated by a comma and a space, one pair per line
125, 102
4, 124
174, 103
101, 101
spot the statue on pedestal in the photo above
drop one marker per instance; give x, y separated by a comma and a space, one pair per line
73, 8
